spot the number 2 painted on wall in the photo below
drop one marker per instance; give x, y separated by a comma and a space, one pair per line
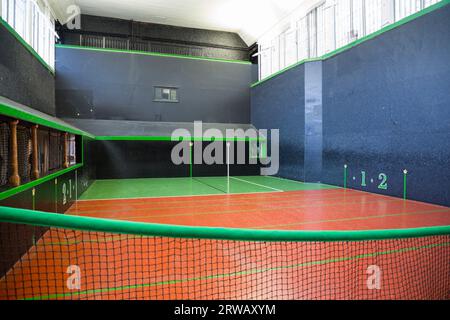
383, 178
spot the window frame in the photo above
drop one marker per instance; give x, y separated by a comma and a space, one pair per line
171, 88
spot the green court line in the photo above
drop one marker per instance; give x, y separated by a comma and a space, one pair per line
153, 54
256, 184
354, 218
287, 184
355, 43
11, 192
247, 211
26, 45
144, 188
241, 273
167, 138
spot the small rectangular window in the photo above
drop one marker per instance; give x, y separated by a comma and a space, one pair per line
166, 94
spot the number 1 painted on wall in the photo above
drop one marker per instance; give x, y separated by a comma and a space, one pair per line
363, 179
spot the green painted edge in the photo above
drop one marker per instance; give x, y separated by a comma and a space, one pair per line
11, 192
36, 218
26, 45
191, 162
404, 186
166, 138
10, 111
154, 54
355, 43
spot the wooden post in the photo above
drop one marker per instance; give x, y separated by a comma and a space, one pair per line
66, 157
35, 154
14, 179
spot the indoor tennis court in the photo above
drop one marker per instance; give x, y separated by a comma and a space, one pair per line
167, 151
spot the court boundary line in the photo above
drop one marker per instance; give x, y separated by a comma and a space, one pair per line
257, 184
244, 211
224, 194
95, 208
426, 212
275, 190
181, 196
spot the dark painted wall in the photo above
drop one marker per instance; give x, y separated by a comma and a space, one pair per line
132, 35
136, 159
280, 104
22, 77
152, 159
387, 108
120, 86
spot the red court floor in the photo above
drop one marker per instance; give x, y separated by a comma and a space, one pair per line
334, 209
115, 266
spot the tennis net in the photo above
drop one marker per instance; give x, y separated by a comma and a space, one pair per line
49, 256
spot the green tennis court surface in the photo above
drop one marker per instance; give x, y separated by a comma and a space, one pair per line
173, 187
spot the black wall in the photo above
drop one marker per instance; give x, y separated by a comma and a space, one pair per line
23, 78
132, 35
152, 159
386, 108
280, 104
120, 86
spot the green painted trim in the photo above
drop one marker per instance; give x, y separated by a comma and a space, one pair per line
36, 218
165, 138
345, 176
11, 192
12, 112
240, 273
26, 45
355, 43
191, 162
165, 55
404, 186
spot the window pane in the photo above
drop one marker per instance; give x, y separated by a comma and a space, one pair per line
173, 95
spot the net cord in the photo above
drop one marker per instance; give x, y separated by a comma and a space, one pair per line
43, 219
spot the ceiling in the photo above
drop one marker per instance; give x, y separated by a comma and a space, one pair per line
249, 18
